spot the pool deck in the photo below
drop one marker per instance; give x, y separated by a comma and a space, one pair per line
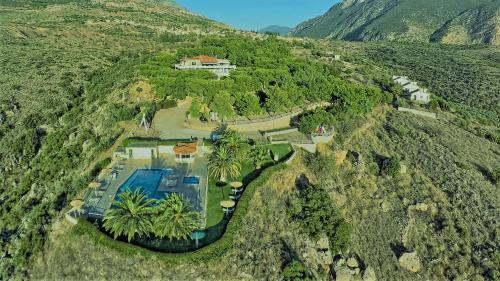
97, 202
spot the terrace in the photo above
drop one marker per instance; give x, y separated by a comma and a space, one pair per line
159, 173
157, 177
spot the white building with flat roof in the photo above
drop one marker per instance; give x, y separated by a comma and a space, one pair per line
420, 96
412, 90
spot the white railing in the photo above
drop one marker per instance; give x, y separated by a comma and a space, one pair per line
208, 67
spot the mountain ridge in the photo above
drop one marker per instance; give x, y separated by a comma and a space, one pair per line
443, 21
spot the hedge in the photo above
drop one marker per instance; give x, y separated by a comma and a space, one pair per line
209, 252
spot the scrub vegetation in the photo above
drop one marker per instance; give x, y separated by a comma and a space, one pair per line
390, 183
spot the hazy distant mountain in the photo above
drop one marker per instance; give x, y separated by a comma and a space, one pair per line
281, 30
447, 21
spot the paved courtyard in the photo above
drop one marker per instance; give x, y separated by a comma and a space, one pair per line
169, 124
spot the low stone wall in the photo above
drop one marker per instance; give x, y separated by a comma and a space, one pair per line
280, 132
322, 139
418, 112
290, 159
309, 147
279, 142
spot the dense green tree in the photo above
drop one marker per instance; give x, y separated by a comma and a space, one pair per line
130, 215
296, 271
310, 121
223, 164
247, 104
175, 218
392, 167
222, 104
277, 100
195, 108
318, 215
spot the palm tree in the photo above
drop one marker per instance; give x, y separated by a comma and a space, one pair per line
130, 216
258, 155
176, 219
230, 139
223, 164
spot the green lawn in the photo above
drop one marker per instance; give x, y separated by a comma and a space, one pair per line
217, 194
248, 173
282, 150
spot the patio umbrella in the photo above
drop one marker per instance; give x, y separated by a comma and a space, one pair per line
77, 204
107, 170
95, 185
197, 235
227, 204
236, 185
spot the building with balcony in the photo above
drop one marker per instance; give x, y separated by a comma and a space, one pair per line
220, 67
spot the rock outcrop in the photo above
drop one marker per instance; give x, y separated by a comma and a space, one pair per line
410, 261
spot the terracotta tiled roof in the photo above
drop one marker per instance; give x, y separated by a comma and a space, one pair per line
205, 59
185, 148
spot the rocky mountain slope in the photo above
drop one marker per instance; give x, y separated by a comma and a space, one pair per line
446, 21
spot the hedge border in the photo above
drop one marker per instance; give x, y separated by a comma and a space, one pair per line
209, 252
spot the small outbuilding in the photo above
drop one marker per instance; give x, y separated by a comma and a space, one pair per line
420, 96
185, 152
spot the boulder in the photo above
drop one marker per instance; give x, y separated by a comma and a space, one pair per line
339, 199
369, 274
386, 206
410, 261
340, 156
403, 169
339, 264
325, 257
352, 263
422, 207
323, 243
344, 274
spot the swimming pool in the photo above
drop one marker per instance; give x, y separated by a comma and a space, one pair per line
191, 180
147, 180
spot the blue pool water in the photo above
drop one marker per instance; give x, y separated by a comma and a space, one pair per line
147, 180
191, 180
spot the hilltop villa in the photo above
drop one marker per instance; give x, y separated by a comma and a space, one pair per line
219, 67
412, 90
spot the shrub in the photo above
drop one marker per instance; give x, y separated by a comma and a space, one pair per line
296, 271
373, 168
99, 166
495, 175
392, 167
317, 214
320, 165
310, 121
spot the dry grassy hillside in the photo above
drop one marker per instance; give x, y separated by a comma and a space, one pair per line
440, 207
